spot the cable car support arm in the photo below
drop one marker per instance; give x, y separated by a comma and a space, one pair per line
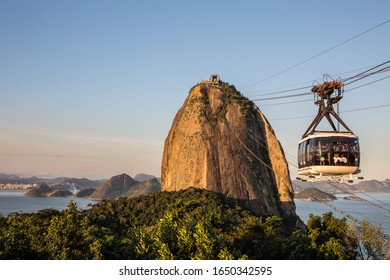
325, 102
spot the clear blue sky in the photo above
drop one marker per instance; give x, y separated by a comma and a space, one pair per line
90, 88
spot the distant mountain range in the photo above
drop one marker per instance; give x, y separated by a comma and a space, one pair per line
374, 186
151, 183
60, 183
116, 186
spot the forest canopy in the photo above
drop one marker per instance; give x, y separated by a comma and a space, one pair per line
184, 225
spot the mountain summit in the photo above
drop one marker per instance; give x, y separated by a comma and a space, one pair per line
220, 141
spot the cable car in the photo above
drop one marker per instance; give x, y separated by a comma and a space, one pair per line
328, 155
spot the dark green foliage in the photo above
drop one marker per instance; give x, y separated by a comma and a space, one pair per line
188, 224
329, 236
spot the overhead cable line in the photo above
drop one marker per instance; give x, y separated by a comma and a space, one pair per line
376, 72
352, 217
284, 96
347, 111
366, 108
351, 80
267, 91
293, 164
369, 74
359, 77
282, 91
375, 199
356, 220
367, 84
372, 68
362, 200
246, 147
319, 54
284, 103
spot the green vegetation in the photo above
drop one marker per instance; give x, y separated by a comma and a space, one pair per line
189, 224
234, 96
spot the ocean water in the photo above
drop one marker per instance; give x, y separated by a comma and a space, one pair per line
375, 207
16, 201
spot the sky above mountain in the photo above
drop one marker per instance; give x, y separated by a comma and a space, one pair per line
90, 88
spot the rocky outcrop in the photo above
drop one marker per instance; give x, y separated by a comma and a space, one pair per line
313, 194
353, 197
44, 190
114, 187
41, 190
220, 141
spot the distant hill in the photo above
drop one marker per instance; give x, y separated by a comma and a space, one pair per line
313, 194
124, 185
332, 187
15, 179
114, 187
60, 183
85, 192
65, 183
142, 177
75, 183
144, 188
373, 186
44, 190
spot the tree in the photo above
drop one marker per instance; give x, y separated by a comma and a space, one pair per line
372, 243
329, 237
69, 236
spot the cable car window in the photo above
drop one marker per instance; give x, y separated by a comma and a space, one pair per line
306, 153
322, 151
340, 148
354, 152
354, 145
300, 155
309, 152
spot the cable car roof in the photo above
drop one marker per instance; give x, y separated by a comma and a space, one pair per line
318, 134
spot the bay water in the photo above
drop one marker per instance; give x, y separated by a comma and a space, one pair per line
375, 207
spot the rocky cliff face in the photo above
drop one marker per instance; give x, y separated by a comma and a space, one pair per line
220, 141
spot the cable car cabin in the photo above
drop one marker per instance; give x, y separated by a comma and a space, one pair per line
329, 153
